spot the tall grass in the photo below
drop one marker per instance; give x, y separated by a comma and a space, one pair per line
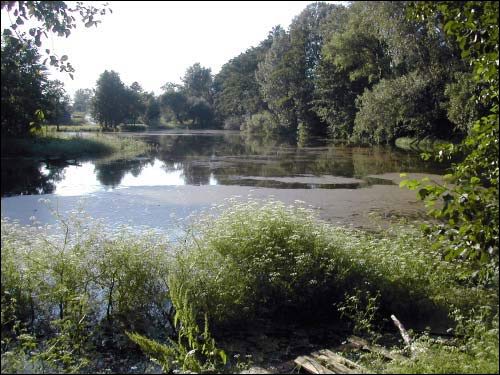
75, 128
75, 146
77, 291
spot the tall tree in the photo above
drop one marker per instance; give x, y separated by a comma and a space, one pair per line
177, 103
274, 82
23, 78
109, 106
135, 102
198, 82
286, 76
153, 112
236, 91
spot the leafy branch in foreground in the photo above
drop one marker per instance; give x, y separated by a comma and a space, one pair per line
55, 17
469, 214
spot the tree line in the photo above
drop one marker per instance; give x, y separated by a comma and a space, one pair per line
367, 72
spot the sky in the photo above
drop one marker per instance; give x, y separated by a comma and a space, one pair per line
154, 42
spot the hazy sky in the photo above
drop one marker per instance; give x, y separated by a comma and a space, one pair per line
154, 42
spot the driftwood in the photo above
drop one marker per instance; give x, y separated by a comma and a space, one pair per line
404, 333
338, 363
363, 344
311, 365
327, 362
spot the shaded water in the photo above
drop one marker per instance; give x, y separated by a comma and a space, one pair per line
214, 158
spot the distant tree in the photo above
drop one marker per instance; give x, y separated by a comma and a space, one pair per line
82, 100
23, 78
274, 82
334, 93
236, 91
153, 112
110, 103
200, 111
57, 106
135, 102
286, 76
136, 87
409, 105
198, 82
371, 43
170, 86
177, 102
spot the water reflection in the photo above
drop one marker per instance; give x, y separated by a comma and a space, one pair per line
211, 159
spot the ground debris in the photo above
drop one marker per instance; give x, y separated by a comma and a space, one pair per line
360, 343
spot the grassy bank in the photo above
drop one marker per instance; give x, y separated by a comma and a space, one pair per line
74, 128
72, 147
98, 293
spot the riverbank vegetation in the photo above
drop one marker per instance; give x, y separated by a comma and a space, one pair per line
364, 73
67, 299
370, 72
53, 145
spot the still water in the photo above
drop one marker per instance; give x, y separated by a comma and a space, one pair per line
193, 170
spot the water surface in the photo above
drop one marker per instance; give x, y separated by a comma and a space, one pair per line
187, 171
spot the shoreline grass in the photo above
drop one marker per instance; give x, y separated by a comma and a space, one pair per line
74, 128
239, 262
73, 147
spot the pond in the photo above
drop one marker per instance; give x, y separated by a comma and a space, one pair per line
189, 171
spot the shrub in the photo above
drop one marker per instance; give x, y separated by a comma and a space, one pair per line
266, 259
262, 123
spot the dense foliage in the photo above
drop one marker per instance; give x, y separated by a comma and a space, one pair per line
28, 96
469, 213
371, 72
74, 293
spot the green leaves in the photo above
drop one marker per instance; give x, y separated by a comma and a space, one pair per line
410, 184
469, 213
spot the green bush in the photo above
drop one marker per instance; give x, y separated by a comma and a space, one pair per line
261, 260
73, 292
261, 123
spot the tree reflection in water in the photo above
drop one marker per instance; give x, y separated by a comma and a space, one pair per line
229, 158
